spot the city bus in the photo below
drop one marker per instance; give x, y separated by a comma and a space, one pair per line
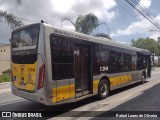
51, 65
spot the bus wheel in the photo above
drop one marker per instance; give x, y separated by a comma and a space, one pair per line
103, 89
143, 78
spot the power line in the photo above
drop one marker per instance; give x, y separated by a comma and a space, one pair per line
134, 3
127, 9
148, 13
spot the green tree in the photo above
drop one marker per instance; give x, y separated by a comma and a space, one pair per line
9, 18
86, 24
148, 44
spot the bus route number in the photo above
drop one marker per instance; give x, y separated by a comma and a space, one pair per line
103, 68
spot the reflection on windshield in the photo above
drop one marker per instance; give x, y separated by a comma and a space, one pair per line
25, 38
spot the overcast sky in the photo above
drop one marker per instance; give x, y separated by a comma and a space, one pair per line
123, 25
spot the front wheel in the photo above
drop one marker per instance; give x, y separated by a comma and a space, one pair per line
103, 89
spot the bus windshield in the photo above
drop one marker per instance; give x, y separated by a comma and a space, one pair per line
25, 38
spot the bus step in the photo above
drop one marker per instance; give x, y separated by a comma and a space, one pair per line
82, 97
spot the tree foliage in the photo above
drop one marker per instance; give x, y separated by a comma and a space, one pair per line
148, 44
10, 19
86, 24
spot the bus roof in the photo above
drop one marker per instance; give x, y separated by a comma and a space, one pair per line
101, 40
69, 33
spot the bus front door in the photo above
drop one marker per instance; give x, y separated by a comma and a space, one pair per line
82, 70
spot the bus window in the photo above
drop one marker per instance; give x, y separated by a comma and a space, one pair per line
101, 58
134, 59
141, 61
62, 58
127, 62
96, 60
26, 39
115, 62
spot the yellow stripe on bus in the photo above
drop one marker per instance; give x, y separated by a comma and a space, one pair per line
114, 81
63, 92
68, 91
95, 85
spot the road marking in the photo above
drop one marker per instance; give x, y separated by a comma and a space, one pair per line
100, 109
123, 98
12, 102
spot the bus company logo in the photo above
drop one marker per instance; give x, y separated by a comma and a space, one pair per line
22, 70
6, 114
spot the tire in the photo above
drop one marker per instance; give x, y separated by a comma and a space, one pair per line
103, 89
143, 78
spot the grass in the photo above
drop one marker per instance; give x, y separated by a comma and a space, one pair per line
5, 78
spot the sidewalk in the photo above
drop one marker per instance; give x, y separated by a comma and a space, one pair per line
155, 68
5, 85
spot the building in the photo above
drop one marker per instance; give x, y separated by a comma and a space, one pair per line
5, 52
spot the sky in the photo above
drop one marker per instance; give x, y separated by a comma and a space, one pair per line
124, 22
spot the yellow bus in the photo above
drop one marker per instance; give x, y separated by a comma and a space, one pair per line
51, 65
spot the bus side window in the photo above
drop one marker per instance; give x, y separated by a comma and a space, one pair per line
96, 60
100, 60
127, 62
62, 58
115, 62
141, 61
134, 62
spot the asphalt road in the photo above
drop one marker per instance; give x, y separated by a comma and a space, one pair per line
137, 97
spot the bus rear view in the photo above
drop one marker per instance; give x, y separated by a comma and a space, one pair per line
27, 63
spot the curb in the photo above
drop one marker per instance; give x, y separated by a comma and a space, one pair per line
4, 83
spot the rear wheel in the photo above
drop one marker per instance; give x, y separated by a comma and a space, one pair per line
103, 89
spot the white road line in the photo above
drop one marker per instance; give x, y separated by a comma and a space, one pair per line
126, 97
100, 109
12, 102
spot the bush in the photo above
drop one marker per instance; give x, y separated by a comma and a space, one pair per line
5, 78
